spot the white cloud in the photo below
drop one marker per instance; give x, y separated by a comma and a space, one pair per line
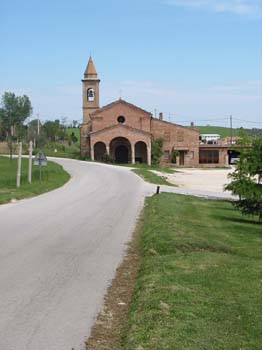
239, 7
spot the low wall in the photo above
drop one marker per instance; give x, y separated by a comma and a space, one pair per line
3, 147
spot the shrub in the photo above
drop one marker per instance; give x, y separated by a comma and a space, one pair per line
107, 159
175, 153
157, 151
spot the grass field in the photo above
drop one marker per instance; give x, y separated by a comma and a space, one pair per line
169, 169
223, 131
199, 283
151, 177
58, 150
53, 176
143, 170
76, 131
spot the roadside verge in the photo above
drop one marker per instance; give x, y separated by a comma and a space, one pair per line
195, 281
53, 176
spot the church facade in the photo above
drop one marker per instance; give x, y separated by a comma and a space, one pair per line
124, 132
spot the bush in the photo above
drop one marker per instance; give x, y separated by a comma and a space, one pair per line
246, 179
157, 151
175, 153
107, 159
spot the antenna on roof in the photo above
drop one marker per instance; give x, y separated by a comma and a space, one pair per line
120, 94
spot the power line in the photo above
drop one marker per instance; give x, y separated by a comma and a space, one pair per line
198, 120
247, 121
174, 117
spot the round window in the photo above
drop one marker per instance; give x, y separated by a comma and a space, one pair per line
121, 119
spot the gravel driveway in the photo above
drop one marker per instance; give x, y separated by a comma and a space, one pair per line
212, 180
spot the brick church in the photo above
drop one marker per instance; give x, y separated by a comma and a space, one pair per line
125, 132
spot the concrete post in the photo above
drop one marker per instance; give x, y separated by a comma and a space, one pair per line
149, 154
133, 153
92, 153
19, 160
30, 162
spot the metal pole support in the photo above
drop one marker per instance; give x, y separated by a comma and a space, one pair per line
158, 190
19, 160
30, 162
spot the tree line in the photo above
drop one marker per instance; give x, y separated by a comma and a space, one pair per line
15, 111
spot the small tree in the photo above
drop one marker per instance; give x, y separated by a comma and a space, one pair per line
175, 154
73, 137
157, 151
246, 179
15, 110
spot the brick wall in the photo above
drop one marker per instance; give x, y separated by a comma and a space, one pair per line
134, 117
4, 148
177, 138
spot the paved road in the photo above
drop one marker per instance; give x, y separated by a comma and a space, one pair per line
59, 252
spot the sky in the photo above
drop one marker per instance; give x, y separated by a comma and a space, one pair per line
197, 61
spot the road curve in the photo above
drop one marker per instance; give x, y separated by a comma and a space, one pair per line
59, 252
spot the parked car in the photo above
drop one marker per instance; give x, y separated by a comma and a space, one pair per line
234, 160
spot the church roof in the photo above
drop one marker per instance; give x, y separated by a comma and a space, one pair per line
90, 69
120, 126
120, 101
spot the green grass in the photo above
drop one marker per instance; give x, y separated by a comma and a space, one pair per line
61, 151
199, 283
76, 131
223, 131
169, 169
143, 170
53, 176
148, 176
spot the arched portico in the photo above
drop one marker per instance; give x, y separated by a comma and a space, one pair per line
120, 150
123, 144
141, 152
99, 151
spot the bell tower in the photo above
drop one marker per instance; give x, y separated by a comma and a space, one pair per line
90, 85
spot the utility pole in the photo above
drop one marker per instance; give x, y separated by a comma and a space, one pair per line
231, 130
19, 160
38, 124
10, 134
30, 162
155, 112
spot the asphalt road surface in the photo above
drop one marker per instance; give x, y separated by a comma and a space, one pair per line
59, 252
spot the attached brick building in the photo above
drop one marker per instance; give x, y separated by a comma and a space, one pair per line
125, 132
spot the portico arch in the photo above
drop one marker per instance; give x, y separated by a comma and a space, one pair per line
120, 150
99, 151
141, 152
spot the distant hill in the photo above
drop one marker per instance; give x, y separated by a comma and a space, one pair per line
223, 131
76, 132
208, 129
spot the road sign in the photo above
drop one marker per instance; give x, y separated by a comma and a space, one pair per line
40, 159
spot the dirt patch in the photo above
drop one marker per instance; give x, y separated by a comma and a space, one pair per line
199, 179
111, 321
